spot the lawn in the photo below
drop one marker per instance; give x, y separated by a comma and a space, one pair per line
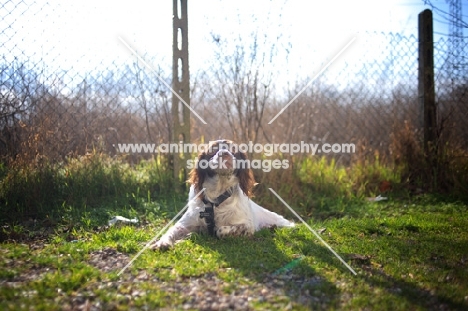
409, 254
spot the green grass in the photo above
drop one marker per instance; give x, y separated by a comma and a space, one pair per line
409, 255
81, 190
57, 252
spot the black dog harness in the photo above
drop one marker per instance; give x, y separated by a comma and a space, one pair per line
208, 213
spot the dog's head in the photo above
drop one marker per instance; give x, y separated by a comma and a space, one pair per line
224, 159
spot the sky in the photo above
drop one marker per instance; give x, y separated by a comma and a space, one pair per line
83, 35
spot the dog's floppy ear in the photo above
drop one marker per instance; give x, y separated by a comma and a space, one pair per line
198, 174
245, 175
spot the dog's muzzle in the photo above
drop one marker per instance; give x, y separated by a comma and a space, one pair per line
223, 163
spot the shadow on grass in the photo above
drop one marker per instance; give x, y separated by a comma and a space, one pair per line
401, 292
274, 262
410, 291
438, 266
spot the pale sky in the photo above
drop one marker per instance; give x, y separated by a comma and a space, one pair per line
82, 35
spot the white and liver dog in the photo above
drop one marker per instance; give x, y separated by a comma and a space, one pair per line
224, 208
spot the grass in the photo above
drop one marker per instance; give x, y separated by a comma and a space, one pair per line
409, 255
86, 187
409, 251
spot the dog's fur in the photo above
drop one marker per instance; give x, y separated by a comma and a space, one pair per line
238, 215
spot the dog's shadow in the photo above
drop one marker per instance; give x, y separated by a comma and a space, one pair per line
273, 259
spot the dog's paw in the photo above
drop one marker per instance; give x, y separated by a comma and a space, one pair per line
225, 231
161, 245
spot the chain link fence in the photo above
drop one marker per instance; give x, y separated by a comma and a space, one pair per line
54, 112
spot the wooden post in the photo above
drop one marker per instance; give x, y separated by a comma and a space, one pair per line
426, 81
181, 85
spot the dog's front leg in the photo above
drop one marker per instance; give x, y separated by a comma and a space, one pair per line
177, 232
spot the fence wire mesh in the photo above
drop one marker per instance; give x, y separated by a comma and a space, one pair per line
53, 111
